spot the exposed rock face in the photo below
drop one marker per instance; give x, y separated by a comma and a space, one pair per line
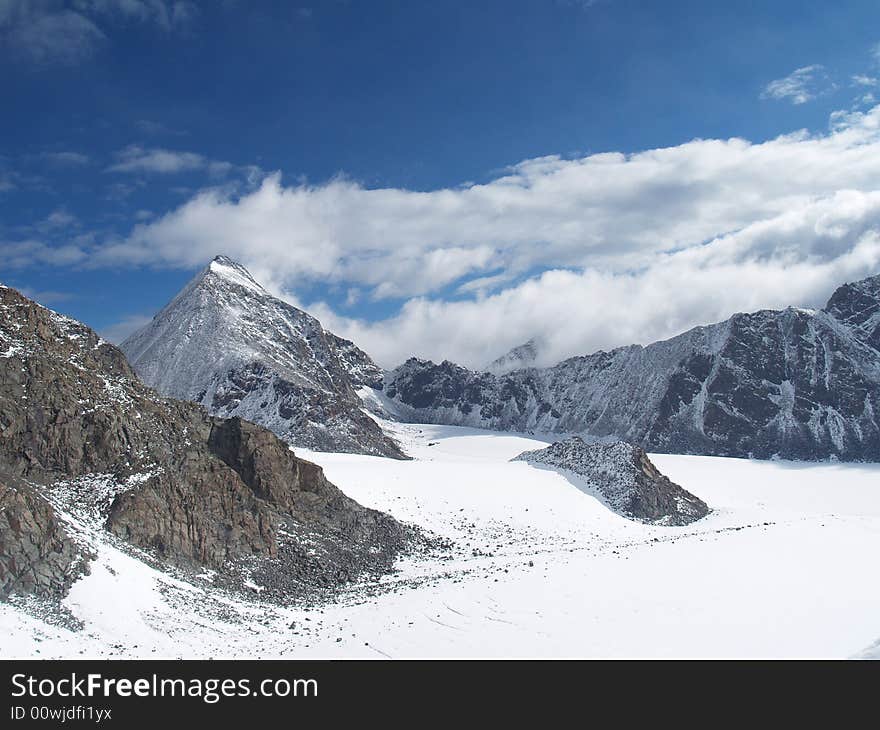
793, 384
228, 344
37, 556
624, 477
192, 488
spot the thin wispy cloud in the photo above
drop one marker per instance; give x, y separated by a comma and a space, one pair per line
121, 329
44, 32
48, 296
55, 32
30, 252
157, 129
864, 80
57, 219
167, 15
65, 158
800, 86
137, 159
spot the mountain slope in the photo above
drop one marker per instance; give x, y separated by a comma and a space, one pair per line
81, 433
793, 384
226, 343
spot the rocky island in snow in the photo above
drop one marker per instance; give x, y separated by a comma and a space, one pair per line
623, 477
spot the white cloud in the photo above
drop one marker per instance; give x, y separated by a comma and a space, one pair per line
484, 284
864, 80
795, 258
632, 247
800, 86
135, 158
31, 252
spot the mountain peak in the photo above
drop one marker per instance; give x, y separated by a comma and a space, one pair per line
857, 305
233, 272
519, 357
228, 344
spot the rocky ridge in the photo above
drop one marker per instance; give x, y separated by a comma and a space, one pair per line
624, 478
791, 384
78, 428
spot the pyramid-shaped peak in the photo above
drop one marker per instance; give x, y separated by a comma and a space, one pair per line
222, 260
233, 272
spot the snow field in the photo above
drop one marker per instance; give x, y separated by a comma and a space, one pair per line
780, 568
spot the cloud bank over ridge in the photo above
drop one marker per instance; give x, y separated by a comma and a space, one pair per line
589, 253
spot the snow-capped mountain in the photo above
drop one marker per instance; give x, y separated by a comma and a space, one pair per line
795, 384
228, 344
523, 356
623, 477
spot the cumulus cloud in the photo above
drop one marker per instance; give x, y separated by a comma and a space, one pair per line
797, 257
799, 87
627, 248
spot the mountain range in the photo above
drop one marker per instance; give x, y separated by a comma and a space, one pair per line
791, 384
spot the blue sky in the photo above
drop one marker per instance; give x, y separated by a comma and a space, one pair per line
361, 158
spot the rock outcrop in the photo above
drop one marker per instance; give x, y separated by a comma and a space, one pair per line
193, 489
37, 556
623, 476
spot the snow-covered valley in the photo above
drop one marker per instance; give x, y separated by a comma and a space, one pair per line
780, 568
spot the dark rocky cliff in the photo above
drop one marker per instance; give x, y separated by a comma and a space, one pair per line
193, 489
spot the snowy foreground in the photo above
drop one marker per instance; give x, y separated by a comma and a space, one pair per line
782, 567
